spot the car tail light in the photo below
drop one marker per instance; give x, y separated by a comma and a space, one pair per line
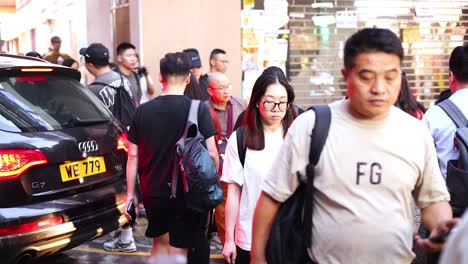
31, 79
31, 226
37, 69
122, 142
14, 162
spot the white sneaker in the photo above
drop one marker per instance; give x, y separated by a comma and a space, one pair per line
117, 245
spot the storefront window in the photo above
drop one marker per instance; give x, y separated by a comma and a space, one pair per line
318, 29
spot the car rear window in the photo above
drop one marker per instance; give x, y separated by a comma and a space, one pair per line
45, 103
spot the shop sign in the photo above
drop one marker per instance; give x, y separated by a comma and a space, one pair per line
322, 21
346, 19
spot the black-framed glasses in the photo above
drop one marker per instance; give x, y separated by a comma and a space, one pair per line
270, 105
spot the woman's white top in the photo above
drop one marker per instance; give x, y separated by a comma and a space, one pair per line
250, 178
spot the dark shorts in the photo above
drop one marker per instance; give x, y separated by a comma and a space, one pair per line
186, 228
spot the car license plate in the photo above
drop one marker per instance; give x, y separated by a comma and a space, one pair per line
83, 168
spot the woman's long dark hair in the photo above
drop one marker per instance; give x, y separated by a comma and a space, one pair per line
253, 127
193, 90
406, 100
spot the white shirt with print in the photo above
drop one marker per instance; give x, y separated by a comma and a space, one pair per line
364, 180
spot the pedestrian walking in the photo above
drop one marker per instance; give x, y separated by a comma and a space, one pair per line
445, 130
195, 62
110, 87
218, 63
55, 56
127, 61
374, 158
227, 108
112, 90
269, 116
156, 128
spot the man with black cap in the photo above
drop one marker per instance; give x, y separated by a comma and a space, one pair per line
114, 91
110, 87
195, 62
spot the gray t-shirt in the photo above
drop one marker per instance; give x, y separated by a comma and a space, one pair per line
120, 101
105, 93
133, 82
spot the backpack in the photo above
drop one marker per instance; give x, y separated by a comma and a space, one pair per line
291, 230
457, 170
202, 190
123, 108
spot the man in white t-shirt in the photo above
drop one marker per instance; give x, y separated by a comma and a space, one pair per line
374, 159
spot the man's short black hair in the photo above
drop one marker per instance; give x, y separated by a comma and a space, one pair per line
191, 50
175, 64
122, 47
34, 54
55, 39
458, 63
216, 52
371, 40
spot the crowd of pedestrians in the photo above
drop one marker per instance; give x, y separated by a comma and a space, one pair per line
379, 160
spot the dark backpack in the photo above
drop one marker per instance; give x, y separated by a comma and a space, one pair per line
457, 170
197, 169
124, 107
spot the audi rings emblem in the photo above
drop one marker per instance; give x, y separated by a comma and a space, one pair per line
88, 146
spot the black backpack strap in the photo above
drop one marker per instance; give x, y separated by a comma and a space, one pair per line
241, 150
193, 113
137, 78
454, 113
192, 119
318, 137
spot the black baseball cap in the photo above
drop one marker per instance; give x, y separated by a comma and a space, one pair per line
96, 53
195, 61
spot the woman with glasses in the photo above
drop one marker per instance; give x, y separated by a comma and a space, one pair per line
266, 122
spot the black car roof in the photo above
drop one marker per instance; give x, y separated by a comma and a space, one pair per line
10, 60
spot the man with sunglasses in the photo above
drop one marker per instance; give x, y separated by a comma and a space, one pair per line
227, 109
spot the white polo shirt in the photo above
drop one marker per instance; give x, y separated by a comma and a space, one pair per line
443, 129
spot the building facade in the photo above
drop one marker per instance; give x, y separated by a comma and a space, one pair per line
154, 27
304, 37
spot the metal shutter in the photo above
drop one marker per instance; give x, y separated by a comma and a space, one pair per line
429, 29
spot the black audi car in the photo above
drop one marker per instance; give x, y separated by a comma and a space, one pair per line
62, 161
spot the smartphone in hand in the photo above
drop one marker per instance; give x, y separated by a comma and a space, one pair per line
131, 211
440, 238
